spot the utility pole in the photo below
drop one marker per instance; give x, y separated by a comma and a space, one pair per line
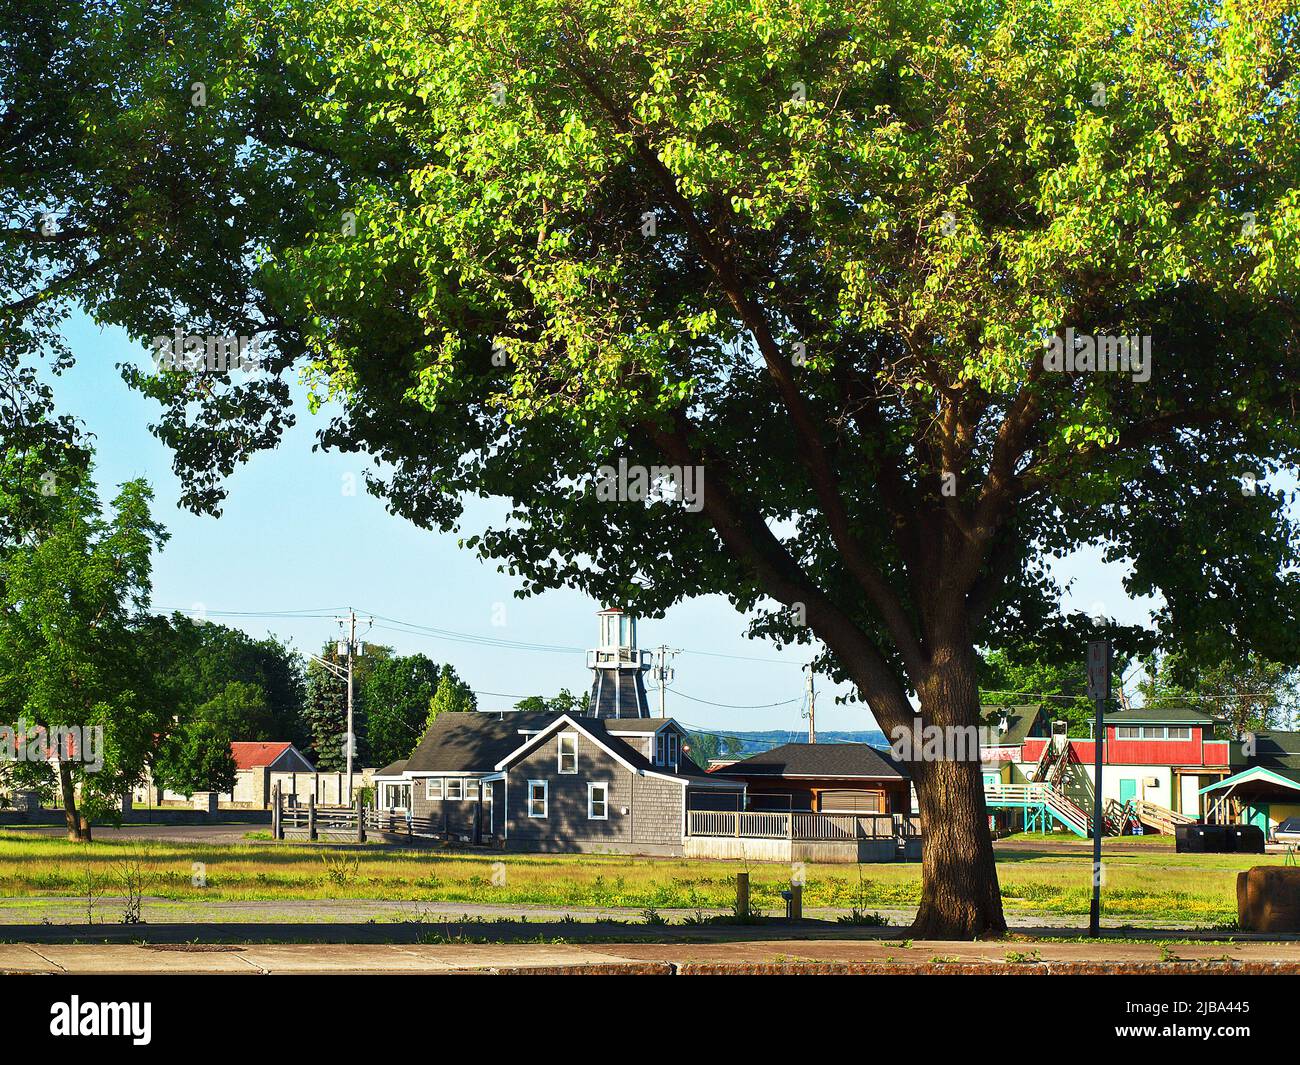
663, 674
1099, 677
352, 736
349, 647
812, 705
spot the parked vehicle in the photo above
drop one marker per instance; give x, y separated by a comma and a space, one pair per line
1288, 831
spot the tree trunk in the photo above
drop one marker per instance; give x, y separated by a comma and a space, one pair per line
960, 898
78, 828
959, 879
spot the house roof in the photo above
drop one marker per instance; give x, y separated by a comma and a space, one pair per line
1167, 715
1277, 751
258, 755
1020, 720
474, 741
598, 729
838, 760
478, 742
637, 724
1276, 781
393, 769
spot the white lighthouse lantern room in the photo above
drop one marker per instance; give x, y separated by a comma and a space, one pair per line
618, 667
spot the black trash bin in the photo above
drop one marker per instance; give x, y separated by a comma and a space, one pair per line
1243, 839
1200, 839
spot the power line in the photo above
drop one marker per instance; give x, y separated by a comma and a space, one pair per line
733, 706
412, 628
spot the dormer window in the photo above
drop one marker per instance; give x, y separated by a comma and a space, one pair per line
668, 749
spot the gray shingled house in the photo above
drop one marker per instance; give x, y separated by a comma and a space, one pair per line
613, 779
562, 782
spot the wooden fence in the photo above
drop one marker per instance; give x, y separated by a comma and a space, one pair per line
310, 821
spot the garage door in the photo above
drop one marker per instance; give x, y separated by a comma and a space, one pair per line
851, 802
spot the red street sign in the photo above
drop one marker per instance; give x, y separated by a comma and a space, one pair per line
1099, 669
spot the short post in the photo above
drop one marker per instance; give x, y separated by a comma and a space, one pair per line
478, 815
311, 816
796, 901
742, 894
277, 816
361, 820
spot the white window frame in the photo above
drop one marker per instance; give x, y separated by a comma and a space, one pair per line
1128, 732
1169, 732
661, 749
674, 749
591, 786
460, 789
471, 790
560, 754
546, 798
433, 788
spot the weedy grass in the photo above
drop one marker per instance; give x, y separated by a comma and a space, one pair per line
1154, 883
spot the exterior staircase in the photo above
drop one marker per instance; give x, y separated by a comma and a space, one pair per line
1043, 806
1159, 818
1120, 818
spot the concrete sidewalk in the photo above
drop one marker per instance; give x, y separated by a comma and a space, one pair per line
763, 956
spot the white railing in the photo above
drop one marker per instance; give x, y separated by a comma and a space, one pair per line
818, 827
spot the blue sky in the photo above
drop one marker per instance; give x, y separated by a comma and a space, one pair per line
290, 539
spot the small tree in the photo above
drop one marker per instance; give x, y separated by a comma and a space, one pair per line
72, 596
397, 695
453, 696
563, 703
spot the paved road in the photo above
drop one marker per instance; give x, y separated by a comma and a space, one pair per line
227, 833
751, 955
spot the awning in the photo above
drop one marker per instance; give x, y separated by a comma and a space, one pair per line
1255, 775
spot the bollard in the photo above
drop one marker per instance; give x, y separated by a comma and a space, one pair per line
742, 895
796, 902
311, 816
361, 821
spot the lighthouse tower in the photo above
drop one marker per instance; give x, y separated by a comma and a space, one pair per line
618, 668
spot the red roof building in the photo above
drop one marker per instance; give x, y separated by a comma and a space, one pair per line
283, 757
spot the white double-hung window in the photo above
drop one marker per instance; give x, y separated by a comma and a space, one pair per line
568, 760
537, 798
598, 801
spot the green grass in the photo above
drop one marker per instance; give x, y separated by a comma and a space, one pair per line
1157, 885
1154, 841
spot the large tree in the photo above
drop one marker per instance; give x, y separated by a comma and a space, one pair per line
815, 250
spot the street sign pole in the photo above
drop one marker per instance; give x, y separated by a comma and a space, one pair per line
1099, 672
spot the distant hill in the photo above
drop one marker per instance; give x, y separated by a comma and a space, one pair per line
706, 745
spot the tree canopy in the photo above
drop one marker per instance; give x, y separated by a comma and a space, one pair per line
850, 269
